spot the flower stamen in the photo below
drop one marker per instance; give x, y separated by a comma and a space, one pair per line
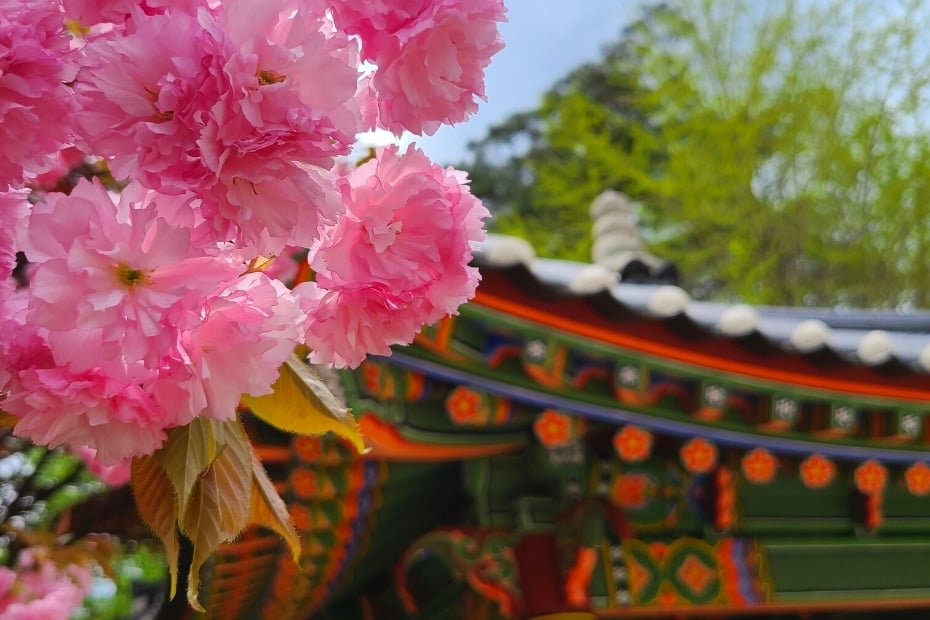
129, 277
268, 76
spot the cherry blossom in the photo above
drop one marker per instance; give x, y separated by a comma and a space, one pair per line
378, 22
38, 588
255, 318
144, 96
344, 324
111, 276
215, 132
409, 226
35, 105
265, 217
274, 111
83, 15
222, 123
395, 260
14, 206
115, 475
56, 406
431, 57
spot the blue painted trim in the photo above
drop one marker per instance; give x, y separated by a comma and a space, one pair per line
678, 428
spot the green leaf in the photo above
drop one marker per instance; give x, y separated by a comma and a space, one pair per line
269, 510
157, 504
302, 403
187, 453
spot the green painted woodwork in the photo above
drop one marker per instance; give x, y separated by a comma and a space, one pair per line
844, 568
787, 505
754, 404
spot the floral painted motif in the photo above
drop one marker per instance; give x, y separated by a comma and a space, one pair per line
301, 517
554, 428
817, 471
759, 466
917, 478
698, 455
308, 449
871, 477
377, 380
632, 491
466, 407
633, 443
304, 483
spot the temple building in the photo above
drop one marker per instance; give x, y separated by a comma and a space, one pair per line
587, 441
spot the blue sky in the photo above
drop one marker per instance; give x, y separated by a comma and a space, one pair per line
545, 39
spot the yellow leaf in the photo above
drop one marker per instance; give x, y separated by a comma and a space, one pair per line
269, 510
187, 453
158, 506
302, 403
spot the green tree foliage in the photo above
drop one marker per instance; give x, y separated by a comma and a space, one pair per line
779, 150
539, 170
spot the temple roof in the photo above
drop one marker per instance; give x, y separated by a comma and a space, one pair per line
861, 337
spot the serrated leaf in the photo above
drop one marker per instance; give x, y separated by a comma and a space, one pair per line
233, 474
302, 403
220, 502
203, 524
157, 504
269, 510
187, 453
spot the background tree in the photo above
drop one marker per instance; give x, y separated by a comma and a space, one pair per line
779, 150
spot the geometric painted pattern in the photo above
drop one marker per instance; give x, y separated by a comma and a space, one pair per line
691, 571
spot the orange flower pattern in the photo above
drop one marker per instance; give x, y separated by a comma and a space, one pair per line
632, 490
300, 516
917, 478
633, 444
304, 483
377, 380
759, 466
466, 407
817, 471
698, 455
871, 477
554, 428
308, 449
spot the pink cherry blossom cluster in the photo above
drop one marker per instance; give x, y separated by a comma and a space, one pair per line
142, 305
38, 588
